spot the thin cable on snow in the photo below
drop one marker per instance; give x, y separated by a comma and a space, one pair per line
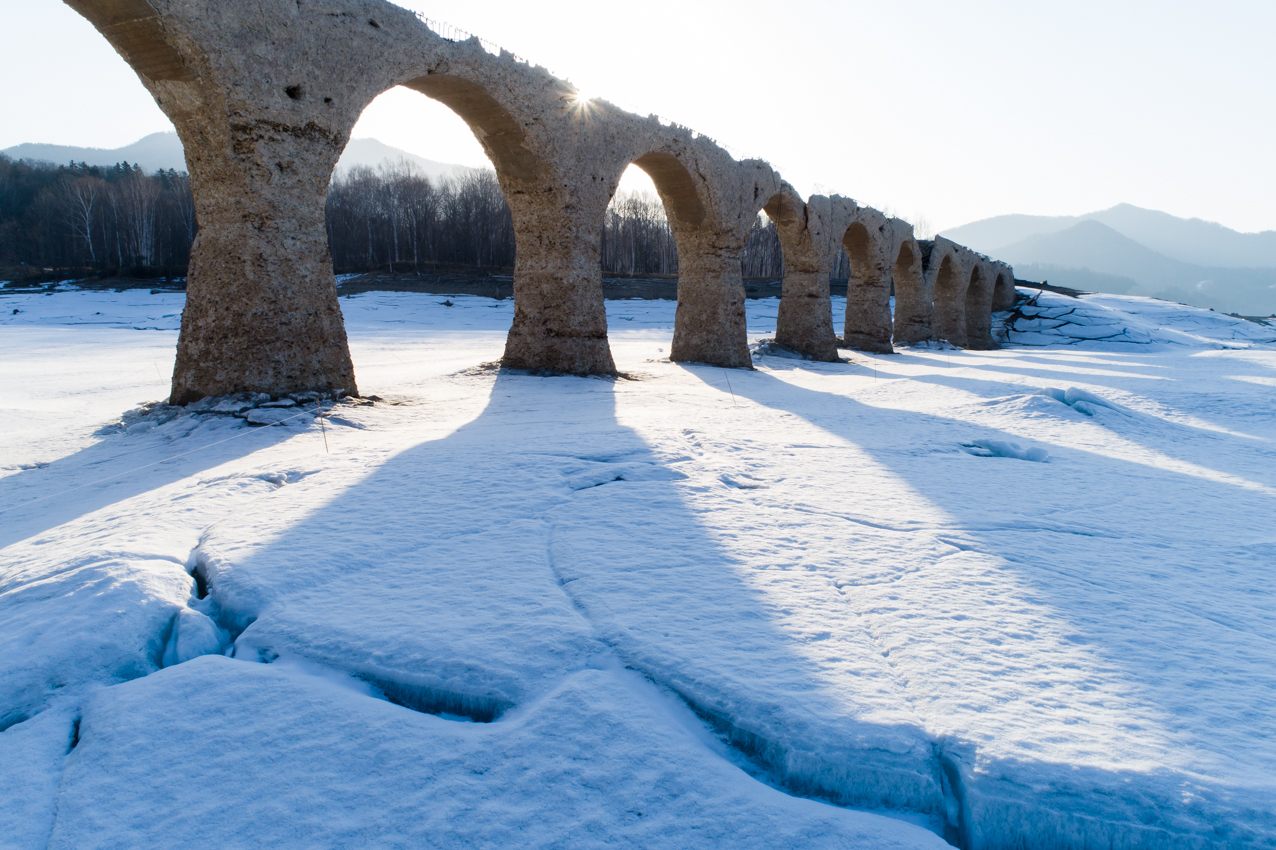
158, 462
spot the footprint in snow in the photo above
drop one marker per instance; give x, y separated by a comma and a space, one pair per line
743, 482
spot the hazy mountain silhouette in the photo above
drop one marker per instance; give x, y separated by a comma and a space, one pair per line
1090, 244
158, 150
1188, 240
373, 153
990, 235
1091, 255
1192, 240
164, 150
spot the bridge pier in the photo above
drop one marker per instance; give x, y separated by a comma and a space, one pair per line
868, 240
261, 309
709, 323
807, 238
913, 295
979, 306
948, 275
560, 317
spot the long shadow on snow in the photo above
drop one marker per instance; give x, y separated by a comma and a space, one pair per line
1102, 571
1153, 431
115, 469
1249, 458
438, 578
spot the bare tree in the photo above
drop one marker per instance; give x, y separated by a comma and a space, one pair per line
139, 199
79, 200
762, 256
184, 203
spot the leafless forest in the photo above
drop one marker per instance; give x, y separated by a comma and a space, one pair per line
396, 218
77, 220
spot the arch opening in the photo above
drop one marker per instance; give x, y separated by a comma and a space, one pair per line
521, 215
709, 318
868, 291
978, 309
676, 188
856, 243
950, 302
637, 240
762, 260
420, 211
912, 308
1003, 292
840, 272
495, 128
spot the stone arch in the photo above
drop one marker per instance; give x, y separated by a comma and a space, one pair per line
867, 241
805, 320
560, 319
1003, 290
711, 201
264, 103
978, 307
495, 128
913, 296
264, 121
947, 269
708, 307
677, 189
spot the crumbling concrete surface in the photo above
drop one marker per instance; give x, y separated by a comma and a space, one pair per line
868, 239
809, 234
948, 267
914, 298
264, 97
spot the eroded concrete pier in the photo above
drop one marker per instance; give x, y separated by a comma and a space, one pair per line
264, 98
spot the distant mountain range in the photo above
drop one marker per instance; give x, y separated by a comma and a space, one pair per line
164, 150
1131, 250
1125, 249
156, 151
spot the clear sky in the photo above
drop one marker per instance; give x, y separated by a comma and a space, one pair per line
948, 111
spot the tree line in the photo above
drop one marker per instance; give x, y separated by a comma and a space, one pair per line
79, 220
395, 218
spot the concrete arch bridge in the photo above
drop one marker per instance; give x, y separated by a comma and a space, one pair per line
264, 97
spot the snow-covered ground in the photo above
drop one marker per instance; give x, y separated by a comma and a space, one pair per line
1017, 598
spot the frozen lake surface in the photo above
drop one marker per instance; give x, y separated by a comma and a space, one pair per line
1023, 597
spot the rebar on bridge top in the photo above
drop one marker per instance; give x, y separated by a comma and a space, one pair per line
453, 33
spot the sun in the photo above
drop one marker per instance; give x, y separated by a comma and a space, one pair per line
582, 103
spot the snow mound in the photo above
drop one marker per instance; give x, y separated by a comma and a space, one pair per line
1007, 448
771, 348
346, 770
193, 635
1116, 322
1078, 399
31, 758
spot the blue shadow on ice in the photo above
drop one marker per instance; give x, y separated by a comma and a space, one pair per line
1145, 601
468, 575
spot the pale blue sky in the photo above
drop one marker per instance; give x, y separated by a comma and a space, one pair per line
953, 111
